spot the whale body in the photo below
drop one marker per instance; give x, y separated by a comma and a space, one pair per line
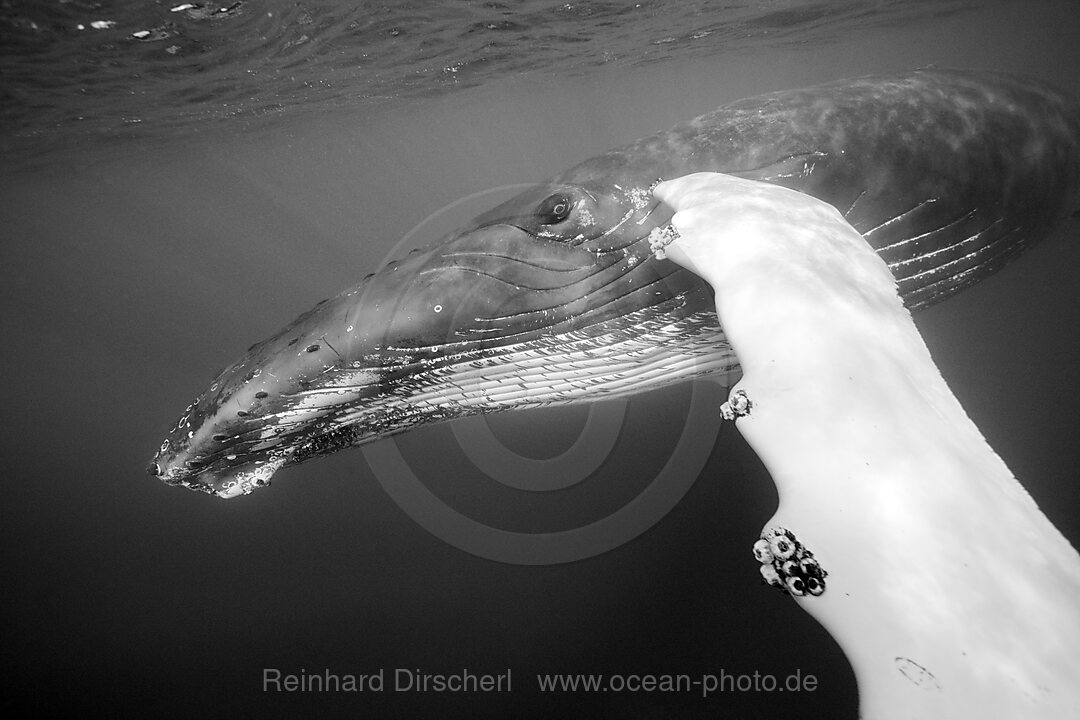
554, 297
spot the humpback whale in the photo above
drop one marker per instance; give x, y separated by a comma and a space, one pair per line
898, 528
555, 297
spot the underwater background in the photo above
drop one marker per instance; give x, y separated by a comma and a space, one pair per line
178, 180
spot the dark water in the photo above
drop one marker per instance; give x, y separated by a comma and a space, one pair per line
163, 208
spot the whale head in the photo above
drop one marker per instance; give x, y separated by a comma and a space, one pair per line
555, 297
552, 297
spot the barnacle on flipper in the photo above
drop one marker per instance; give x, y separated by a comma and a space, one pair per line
770, 576
737, 406
782, 544
660, 238
814, 586
810, 567
795, 586
786, 564
762, 553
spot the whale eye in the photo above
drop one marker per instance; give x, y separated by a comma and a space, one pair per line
555, 209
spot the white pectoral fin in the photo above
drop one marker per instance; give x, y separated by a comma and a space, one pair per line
898, 528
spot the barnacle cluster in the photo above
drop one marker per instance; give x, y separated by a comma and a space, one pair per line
737, 406
660, 238
787, 565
